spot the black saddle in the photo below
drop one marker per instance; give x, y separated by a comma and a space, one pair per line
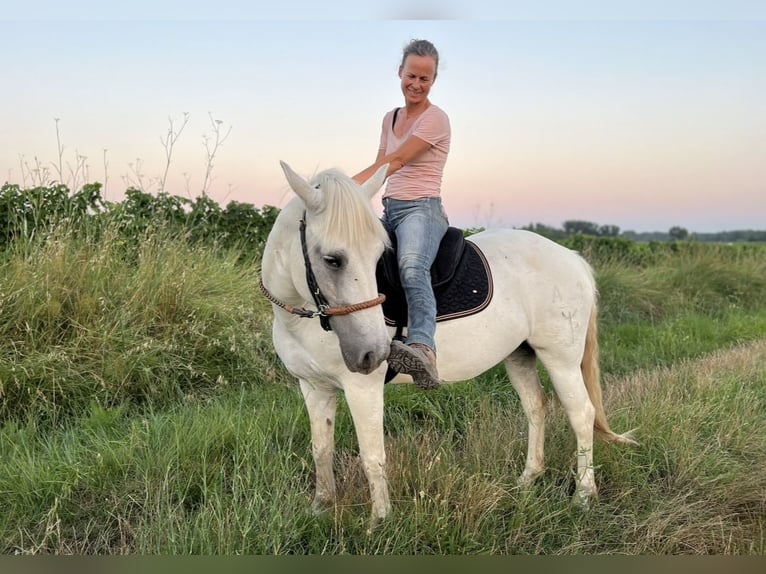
460, 276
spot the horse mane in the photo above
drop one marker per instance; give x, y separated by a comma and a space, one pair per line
348, 216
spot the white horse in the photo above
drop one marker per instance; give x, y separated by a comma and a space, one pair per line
543, 307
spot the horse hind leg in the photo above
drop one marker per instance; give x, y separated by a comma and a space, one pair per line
521, 366
321, 404
567, 381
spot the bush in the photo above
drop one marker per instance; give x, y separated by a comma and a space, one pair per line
26, 214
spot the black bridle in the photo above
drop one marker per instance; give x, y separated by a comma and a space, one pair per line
319, 299
324, 309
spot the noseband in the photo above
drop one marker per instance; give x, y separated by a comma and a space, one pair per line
324, 309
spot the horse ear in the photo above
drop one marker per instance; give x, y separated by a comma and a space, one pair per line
304, 190
372, 185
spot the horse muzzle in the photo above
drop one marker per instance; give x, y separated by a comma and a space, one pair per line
364, 345
366, 360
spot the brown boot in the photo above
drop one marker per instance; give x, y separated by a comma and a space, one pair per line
416, 360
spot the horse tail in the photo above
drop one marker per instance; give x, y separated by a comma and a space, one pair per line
591, 373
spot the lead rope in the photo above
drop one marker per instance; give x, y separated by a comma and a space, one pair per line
307, 313
327, 311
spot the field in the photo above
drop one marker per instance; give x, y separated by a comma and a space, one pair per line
143, 411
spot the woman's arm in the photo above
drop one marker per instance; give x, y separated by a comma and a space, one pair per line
412, 147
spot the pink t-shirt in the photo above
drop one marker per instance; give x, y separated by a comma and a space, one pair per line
422, 177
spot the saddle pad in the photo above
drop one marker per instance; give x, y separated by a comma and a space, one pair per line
467, 292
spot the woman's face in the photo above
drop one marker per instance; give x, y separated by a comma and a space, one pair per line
418, 75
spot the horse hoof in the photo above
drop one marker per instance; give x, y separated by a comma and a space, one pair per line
377, 520
582, 502
528, 478
321, 507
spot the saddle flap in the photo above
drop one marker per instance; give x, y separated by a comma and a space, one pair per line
467, 291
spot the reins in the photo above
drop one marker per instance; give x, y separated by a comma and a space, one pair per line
324, 309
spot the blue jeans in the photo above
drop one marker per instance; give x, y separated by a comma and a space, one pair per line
419, 226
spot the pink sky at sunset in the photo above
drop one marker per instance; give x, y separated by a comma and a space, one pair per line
643, 124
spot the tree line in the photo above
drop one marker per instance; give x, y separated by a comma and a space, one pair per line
676, 233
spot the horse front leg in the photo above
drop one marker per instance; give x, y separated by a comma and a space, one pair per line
364, 396
321, 404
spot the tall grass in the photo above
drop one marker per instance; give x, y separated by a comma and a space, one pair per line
144, 411
681, 306
94, 320
711, 280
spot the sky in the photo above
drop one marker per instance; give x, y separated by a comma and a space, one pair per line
644, 118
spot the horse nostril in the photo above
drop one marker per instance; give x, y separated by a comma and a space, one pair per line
367, 362
370, 361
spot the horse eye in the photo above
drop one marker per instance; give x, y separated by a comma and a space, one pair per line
332, 261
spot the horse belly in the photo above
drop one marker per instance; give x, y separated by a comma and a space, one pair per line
472, 344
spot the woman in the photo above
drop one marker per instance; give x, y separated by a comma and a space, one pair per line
414, 142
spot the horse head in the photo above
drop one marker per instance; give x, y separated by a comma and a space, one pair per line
343, 242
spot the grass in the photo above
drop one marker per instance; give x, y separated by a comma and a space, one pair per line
115, 483
87, 320
144, 411
233, 475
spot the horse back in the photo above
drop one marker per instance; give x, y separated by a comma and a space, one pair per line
532, 267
